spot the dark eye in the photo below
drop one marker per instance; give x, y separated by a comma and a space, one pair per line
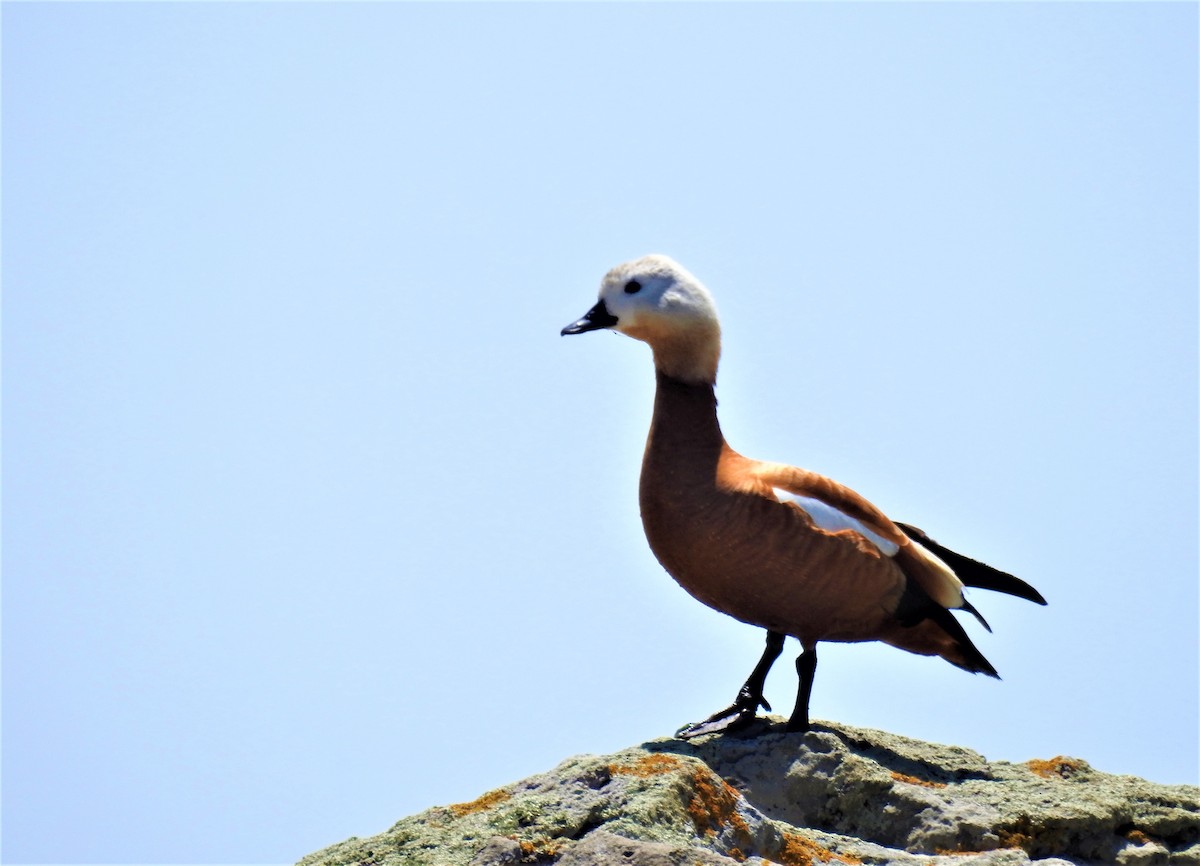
633, 287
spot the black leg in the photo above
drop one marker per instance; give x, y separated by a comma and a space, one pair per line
806, 667
749, 697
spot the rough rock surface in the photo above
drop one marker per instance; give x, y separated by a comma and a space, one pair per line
836, 795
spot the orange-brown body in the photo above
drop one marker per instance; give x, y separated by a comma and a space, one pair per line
714, 523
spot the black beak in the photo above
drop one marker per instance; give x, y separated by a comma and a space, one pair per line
593, 320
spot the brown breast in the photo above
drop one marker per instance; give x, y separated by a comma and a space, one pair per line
733, 546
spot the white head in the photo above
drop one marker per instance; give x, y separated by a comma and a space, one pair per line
655, 300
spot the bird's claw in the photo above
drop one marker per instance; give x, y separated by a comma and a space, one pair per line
738, 715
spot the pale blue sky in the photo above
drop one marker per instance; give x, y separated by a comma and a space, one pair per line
312, 520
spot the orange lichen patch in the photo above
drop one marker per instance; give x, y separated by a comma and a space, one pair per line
913, 780
714, 805
1056, 768
537, 848
1015, 839
479, 804
647, 765
799, 851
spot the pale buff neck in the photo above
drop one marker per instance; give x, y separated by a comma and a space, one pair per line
690, 355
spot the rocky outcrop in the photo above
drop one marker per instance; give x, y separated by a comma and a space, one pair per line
836, 795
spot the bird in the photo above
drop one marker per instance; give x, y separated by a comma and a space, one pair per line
772, 545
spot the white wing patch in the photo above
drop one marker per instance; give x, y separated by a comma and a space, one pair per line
826, 517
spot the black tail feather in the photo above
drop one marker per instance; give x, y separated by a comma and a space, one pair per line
916, 606
975, 661
970, 608
974, 573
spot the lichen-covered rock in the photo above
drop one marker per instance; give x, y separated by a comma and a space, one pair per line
836, 795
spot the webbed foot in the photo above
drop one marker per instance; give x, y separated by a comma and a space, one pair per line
797, 725
738, 715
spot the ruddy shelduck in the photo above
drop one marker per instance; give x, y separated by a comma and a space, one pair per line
772, 545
